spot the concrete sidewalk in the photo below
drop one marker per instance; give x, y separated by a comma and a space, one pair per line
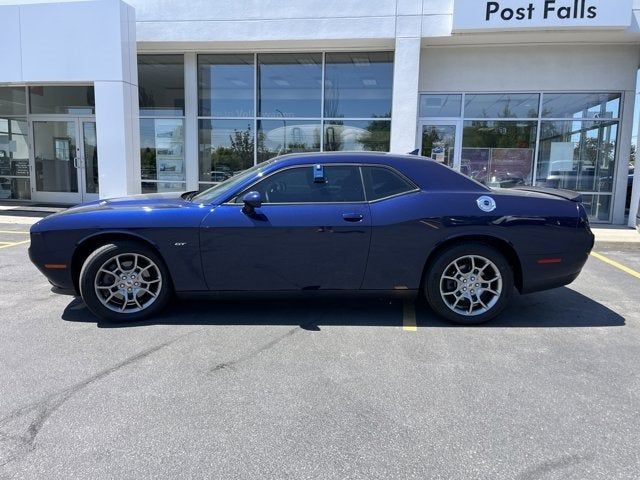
18, 213
615, 234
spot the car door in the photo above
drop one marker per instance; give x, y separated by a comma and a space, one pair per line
309, 234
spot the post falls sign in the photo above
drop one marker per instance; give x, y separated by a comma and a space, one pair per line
478, 15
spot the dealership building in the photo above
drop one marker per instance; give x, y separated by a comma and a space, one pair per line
102, 98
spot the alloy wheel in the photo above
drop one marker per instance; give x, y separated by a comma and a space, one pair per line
471, 285
128, 283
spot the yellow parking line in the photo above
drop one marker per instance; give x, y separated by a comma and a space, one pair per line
14, 244
14, 231
409, 316
613, 263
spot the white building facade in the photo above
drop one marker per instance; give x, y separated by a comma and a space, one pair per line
102, 98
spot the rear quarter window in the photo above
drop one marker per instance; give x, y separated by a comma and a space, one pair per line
381, 182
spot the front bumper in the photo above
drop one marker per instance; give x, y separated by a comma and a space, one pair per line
41, 256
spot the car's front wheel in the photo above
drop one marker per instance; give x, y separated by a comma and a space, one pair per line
469, 283
124, 281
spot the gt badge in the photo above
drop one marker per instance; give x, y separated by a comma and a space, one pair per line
486, 204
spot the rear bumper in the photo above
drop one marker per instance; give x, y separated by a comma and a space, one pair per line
543, 272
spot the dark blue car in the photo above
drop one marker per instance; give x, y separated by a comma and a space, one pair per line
323, 222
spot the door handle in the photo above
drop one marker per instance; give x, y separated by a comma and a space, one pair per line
75, 162
352, 217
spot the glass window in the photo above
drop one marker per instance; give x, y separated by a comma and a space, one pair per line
578, 155
14, 147
13, 101
581, 105
162, 149
159, 187
358, 85
380, 182
74, 100
225, 148
297, 185
499, 154
504, 105
439, 142
277, 137
289, 85
598, 207
161, 85
440, 105
226, 85
14, 159
357, 135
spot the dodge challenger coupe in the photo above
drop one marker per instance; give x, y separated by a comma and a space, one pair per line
321, 223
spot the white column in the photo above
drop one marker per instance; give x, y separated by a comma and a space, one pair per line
191, 121
404, 112
624, 150
118, 136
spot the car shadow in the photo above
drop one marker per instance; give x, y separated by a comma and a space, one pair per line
562, 307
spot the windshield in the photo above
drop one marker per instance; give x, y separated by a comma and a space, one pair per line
229, 184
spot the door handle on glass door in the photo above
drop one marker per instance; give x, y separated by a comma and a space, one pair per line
75, 162
352, 217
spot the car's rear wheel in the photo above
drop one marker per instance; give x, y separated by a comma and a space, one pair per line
124, 281
469, 283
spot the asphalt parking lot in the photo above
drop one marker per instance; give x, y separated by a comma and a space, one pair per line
322, 389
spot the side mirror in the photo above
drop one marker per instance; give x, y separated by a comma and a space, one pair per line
251, 200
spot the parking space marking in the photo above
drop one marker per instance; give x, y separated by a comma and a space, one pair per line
615, 264
409, 316
13, 244
14, 231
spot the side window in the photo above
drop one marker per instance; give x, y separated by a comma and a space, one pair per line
296, 185
382, 182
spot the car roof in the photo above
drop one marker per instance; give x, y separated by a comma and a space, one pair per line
426, 173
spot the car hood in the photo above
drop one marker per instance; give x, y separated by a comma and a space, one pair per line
134, 202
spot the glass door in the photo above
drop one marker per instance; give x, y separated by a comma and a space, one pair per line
65, 160
89, 161
438, 141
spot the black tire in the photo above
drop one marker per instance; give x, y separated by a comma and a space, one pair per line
126, 249
443, 263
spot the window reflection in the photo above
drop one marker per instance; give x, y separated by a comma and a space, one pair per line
277, 137
162, 149
161, 85
578, 155
358, 85
505, 105
499, 154
289, 85
225, 147
435, 106
598, 207
226, 85
581, 105
14, 159
158, 187
76, 100
357, 135
13, 101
